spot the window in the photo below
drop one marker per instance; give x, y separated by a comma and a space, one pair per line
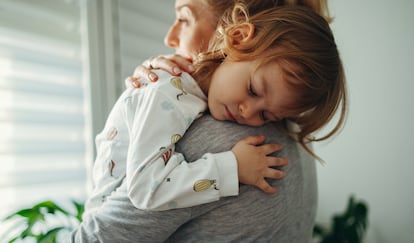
45, 136
62, 65
142, 27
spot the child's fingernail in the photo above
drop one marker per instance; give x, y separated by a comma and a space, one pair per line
176, 70
153, 77
191, 68
137, 84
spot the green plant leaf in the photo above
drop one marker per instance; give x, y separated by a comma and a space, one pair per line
51, 207
350, 207
319, 230
349, 226
36, 212
14, 239
80, 208
25, 213
31, 217
50, 236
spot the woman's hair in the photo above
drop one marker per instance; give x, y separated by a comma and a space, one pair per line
302, 44
219, 7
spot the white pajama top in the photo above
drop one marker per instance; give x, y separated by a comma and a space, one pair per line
137, 144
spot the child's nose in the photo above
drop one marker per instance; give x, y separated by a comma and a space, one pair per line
250, 115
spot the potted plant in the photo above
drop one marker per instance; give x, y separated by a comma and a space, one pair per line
43, 222
348, 227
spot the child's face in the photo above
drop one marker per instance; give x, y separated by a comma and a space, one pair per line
247, 96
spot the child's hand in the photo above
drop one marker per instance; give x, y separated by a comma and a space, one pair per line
254, 164
174, 64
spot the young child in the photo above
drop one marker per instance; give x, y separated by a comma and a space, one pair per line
280, 65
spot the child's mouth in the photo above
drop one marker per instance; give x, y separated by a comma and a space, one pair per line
230, 116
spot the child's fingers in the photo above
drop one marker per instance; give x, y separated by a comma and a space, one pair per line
266, 187
254, 140
270, 148
276, 161
274, 174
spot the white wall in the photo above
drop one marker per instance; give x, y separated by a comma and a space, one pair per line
372, 157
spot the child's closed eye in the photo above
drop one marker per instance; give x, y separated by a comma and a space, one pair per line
251, 90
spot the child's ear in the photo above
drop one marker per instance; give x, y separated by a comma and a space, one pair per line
242, 33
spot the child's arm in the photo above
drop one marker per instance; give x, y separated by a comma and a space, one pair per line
179, 184
156, 117
167, 181
156, 178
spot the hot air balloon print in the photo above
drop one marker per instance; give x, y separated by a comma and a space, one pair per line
111, 167
176, 82
166, 155
175, 138
112, 133
202, 185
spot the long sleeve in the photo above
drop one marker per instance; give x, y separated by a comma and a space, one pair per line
157, 177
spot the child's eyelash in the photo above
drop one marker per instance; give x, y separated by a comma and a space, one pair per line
253, 93
251, 90
262, 115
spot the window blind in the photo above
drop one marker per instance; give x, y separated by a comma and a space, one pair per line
142, 27
58, 81
43, 111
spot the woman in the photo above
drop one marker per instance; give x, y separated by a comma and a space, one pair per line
194, 27
252, 216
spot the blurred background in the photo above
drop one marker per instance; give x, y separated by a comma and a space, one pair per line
63, 64
372, 157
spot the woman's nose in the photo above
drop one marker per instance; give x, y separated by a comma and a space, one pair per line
171, 39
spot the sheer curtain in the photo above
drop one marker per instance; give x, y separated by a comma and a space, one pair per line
45, 133
142, 27
62, 66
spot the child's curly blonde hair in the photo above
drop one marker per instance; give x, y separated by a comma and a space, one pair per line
301, 42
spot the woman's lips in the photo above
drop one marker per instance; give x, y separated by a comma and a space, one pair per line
231, 117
